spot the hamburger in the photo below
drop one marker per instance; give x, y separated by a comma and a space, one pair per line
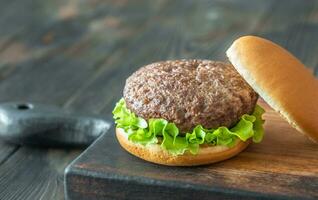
194, 112
187, 112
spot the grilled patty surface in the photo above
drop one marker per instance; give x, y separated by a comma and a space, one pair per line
189, 93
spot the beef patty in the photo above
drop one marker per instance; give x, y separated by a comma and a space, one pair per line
189, 93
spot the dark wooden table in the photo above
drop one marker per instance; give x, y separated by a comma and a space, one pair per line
77, 54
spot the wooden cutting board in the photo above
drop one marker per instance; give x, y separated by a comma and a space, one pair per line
283, 166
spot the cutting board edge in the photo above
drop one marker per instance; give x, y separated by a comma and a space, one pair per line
105, 181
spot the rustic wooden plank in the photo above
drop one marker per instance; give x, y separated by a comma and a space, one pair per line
59, 24
6, 151
37, 173
46, 32
283, 166
82, 58
15, 20
296, 30
5, 8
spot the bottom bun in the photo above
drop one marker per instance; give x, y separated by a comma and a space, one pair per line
155, 154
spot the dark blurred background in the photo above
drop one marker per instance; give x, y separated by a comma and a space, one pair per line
66, 51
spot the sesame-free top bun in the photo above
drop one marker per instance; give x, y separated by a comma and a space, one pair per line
155, 154
280, 79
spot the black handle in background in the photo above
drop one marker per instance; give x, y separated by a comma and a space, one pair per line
44, 125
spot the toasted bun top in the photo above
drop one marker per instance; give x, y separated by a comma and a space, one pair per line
280, 79
155, 154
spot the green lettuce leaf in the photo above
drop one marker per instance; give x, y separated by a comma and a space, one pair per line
145, 133
173, 143
258, 124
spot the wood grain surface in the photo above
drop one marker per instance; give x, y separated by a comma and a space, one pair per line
283, 166
77, 54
